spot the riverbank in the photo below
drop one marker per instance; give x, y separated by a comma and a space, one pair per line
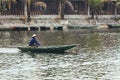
55, 24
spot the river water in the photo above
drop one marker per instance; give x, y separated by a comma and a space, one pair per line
96, 58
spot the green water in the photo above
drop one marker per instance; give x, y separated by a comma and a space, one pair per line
97, 57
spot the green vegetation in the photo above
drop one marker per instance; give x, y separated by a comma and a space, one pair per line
95, 6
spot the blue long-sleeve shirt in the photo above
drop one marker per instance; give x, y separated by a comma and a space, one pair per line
34, 42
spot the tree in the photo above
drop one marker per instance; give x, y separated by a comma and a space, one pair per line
5, 5
8, 2
27, 5
0, 5
62, 4
27, 9
61, 10
94, 6
116, 3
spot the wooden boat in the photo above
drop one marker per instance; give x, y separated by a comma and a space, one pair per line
113, 26
78, 27
47, 49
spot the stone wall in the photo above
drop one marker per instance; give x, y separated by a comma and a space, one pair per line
54, 20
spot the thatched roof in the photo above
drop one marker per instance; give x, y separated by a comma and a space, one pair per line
42, 4
8, 0
68, 3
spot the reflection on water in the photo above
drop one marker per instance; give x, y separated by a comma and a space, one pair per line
9, 50
97, 58
48, 38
